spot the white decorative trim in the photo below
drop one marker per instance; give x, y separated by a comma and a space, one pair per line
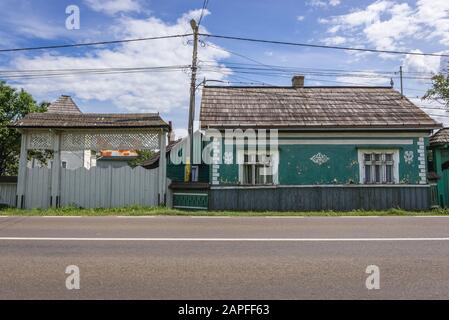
369, 134
340, 141
320, 158
228, 157
422, 161
408, 157
347, 141
215, 161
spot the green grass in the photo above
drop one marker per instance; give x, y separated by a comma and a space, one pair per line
162, 211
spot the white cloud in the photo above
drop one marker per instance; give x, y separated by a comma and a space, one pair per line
363, 17
369, 78
316, 3
423, 64
333, 29
114, 6
391, 25
333, 41
334, 2
134, 92
300, 18
322, 3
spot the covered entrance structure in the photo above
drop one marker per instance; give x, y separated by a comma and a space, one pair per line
96, 187
439, 165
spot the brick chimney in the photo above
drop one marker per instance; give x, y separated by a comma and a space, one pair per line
298, 81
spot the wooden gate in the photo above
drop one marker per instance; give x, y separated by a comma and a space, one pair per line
109, 187
94, 188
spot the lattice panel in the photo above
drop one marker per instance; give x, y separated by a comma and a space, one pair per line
76, 141
40, 141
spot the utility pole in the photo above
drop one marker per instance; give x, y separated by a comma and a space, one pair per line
400, 75
189, 160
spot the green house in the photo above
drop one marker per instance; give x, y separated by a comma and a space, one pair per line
439, 165
314, 148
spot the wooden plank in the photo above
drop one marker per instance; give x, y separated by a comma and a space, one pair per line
319, 198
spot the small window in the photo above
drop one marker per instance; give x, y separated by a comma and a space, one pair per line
194, 173
257, 169
378, 167
64, 164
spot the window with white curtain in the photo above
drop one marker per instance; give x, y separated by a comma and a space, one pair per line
258, 168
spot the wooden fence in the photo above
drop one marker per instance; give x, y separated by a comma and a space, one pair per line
317, 198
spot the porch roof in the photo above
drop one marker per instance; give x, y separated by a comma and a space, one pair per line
440, 137
49, 120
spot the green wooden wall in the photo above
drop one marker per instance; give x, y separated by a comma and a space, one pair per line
296, 168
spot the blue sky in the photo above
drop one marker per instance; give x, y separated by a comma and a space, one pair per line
384, 24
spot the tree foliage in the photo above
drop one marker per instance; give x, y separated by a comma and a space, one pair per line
439, 90
14, 105
142, 156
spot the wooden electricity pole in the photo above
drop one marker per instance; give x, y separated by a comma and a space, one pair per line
189, 159
400, 75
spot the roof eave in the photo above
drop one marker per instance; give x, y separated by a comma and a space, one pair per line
317, 128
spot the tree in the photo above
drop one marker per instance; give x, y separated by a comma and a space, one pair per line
440, 89
14, 105
142, 156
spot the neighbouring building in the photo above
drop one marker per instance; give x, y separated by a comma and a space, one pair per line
439, 165
338, 148
115, 158
65, 105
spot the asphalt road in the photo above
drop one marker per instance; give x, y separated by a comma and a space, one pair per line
224, 258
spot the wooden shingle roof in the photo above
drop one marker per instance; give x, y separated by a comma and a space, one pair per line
64, 104
309, 107
91, 120
440, 137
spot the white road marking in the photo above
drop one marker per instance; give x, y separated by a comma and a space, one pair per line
283, 217
209, 217
57, 216
357, 217
222, 239
135, 217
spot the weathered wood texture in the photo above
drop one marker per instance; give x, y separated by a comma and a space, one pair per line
280, 107
338, 198
8, 191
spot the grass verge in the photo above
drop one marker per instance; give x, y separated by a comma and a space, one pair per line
162, 211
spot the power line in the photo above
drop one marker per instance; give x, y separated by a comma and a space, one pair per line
205, 3
95, 43
322, 46
282, 71
318, 69
32, 74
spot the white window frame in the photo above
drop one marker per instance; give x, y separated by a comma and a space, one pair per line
361, 159
274, 155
